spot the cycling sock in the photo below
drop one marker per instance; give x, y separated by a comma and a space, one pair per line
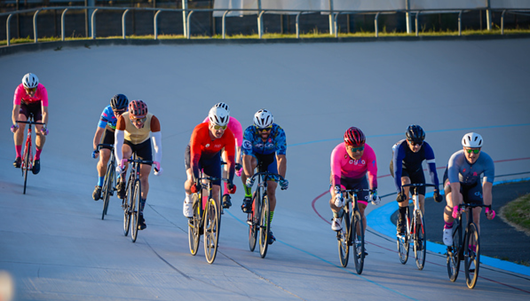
270, 218
187, 198
448, 225
37, 153
248, 191
18, 149
225, 186
142, 205
100, 181
402, 211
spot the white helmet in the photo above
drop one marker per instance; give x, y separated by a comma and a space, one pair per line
219, 116
30, 81
223, 105
472, 140
263, 119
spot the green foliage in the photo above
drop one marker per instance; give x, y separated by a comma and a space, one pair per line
518, 212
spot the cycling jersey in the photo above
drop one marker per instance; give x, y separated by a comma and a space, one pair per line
41, 95
404, 158
107, 118
202, 146
342, 165
134, 134
459, 169
235, 126
254, 144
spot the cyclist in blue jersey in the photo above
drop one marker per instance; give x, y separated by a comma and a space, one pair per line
264, 146
462, 182
105, 135
406, 168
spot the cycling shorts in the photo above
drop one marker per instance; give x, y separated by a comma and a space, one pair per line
142, 150
210, 166
351, 183
416, 177
33, 109
108, 138
472, 194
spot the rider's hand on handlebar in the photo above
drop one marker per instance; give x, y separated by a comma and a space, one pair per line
490, 213
14, 128
249, 182
44, 130
196, 187
239, 169
437, 196
158, 169
374, 198
231, 187
457, 212
95, 154
284, 184
120, 167
339, 200
401, 197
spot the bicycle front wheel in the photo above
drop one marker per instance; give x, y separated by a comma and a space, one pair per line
403, 242
137, 195
472, 255
194, 224
357, 234
211, 231
344, 238
454, 253
253, 224
26, 164
127, 208
264, 227
107, 188
420, 240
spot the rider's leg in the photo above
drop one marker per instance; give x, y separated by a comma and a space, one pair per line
39, 140
421, 198
18, 136
362, 207
145, 170
104, 156
215, 192
271, 193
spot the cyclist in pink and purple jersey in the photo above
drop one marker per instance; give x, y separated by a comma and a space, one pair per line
31, 99
353, 166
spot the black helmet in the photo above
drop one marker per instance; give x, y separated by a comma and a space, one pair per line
119, 102
415, 133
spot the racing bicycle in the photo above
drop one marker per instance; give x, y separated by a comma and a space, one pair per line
352, 234
466, 248
415, 230
27, 164
108, 183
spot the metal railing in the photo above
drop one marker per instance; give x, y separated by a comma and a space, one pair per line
187, 13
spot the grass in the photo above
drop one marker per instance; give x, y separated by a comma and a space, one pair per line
518, 212
314, 34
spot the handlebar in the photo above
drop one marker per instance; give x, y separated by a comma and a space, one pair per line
267, 174
30, 122
140, 161
469, 205
418, 185
357, 190
104, 145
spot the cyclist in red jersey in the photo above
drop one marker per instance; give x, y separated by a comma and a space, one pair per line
30, 99
204, 153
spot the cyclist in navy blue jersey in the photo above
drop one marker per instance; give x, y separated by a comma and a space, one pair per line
264, 146
462, 181
406, 168
105, 135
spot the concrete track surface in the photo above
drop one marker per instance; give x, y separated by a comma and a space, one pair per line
55, 246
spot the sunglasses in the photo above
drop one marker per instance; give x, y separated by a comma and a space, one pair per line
118, 112
264, 129
356, 149
473, 150
219, 127
31, 90
139, 120
415, 143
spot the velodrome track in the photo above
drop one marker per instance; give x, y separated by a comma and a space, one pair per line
55, 246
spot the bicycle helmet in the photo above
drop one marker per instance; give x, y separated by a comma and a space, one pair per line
223, 105
415, 133
30, 81
119, 102
354, 137
219, 115
263, 119
472, 140
137, 109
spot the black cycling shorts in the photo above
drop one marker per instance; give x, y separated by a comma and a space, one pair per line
471, 193
33, 109
416, 177
142, 150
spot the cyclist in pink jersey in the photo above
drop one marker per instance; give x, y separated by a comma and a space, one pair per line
235, 126
30, 100
353, 166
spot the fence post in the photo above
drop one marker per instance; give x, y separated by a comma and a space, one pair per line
123, 27
184, 12
35, 26
93, 23
156, 24
62, 23
7, 29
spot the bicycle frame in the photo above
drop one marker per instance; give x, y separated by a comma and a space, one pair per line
27, 164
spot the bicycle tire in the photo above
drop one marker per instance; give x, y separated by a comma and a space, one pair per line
454, 252
472, 255
420, 240
344, 237
358, 242
107, 186
26, 164
253, 224
211, 231
403, 242
264, 227
137, 195
127, 207
194, 226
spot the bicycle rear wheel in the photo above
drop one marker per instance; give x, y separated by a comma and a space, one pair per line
194, 226
107, 189
403, 242
344, 237
137, 195
253, 223
357, 234
26, 163
264, 227
472, 255
420, 240
211, 231
127, 207
454, 253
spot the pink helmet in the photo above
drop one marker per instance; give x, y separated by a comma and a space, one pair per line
354, 137
137, 109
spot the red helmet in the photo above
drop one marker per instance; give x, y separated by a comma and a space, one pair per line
354, 137
137, 109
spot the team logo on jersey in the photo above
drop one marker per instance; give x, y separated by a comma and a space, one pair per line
207, 145
247, 144
475, 174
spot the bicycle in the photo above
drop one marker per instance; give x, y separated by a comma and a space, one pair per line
206, 220
466, 248
27, 164
258, 219
133, 195
415, 230
108, 183
352, 234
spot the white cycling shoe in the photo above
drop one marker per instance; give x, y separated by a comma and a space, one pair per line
187, 208
336, 224
448, 237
